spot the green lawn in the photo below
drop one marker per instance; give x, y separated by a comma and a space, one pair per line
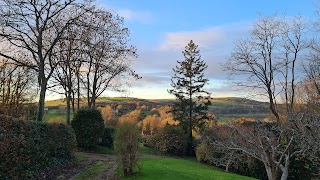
176, 169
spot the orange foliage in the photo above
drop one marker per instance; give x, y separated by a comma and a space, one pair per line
131, 117
108, 116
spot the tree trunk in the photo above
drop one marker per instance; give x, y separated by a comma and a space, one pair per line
272, 175
68, 98
72, 102
285, 169
43, 88
78, 91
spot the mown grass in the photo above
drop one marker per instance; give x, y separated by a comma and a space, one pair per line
176, 169
93, 171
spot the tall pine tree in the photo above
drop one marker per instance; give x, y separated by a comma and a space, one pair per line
191, 107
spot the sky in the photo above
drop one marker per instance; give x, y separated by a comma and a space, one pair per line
161, 29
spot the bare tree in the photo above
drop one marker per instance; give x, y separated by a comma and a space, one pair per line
269, 58
15, 86
106, 55
31, 27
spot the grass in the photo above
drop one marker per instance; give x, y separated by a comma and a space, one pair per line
232, 117
56, 114
81, 159
104, 150
147, 150
93, 171
175, 169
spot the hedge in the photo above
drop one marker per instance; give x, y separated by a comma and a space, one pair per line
27, 147
88, 126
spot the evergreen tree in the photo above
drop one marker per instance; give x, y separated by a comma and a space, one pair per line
187, 84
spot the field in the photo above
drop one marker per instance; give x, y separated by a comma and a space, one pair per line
170, 168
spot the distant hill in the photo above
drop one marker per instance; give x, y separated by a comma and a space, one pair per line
225, 109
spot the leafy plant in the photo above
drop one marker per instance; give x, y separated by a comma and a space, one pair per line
126, 147
88, 126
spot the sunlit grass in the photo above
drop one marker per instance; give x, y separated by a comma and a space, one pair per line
176, 169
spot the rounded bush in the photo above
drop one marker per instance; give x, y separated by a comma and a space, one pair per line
171, 140
88, 126
107, 137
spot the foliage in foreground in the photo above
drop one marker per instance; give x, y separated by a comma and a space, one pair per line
27, 147
88, 126
169, 168
126, 147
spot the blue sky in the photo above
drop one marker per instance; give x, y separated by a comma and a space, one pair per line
161, 29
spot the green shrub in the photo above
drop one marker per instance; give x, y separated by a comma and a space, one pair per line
107, 137
126, 147
171, 140
27, 147
88, 126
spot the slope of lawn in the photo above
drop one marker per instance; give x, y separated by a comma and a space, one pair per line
176, 169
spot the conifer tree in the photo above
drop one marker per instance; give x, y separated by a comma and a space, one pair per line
192, 100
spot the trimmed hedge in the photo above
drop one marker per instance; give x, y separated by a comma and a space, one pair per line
88, 126
26, 147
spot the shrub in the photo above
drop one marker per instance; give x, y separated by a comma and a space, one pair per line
230, 160
107, 137
203, 152
27, 147
126, 147
171, 140
88, 126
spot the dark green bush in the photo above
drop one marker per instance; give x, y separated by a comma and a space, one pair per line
126, 147
107, 137
171, 140
88, 126
27, 147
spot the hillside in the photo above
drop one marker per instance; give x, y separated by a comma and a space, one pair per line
224, 109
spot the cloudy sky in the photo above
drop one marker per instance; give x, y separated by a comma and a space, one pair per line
161, 29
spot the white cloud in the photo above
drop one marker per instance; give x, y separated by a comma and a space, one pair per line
204, 38
144, 17
216, 36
